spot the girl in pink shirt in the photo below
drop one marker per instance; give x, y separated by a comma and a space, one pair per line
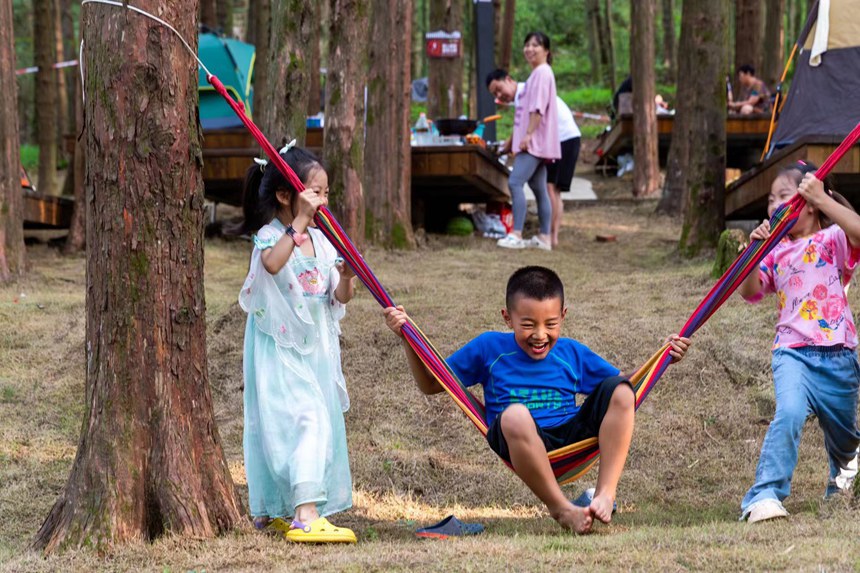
815, 367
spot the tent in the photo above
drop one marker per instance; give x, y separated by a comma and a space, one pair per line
823, 97
232, 62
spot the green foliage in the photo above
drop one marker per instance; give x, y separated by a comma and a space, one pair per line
30, 157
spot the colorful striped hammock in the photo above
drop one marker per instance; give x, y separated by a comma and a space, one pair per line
572, 461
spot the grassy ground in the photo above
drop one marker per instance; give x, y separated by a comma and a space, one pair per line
416, 459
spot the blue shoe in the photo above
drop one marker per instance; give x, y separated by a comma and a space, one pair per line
449, 527
585, 498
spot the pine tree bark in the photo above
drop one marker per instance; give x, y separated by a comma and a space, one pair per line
773, 55
388, 156
669, 60
646, 167
251, 28
418, 39
445, 74
62, 84
592, 19
150, 459
607, 49
507, 35
315, 62
705, 168
45, 44
225, 16
344, 139
748, 31
288, 80
12, 253
77, 237
209, 13
262, 31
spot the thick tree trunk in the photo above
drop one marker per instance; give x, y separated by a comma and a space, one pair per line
209, 13
77, 237
45, 43
12, 254
344, 127
705, 171
592, 19
225, 16
773, 55
150, 459
251, 27
418, 39
288, 81
62, 84
748, 30
315, 63
607, 49
445, 74
262, 31
387, 165
668, 14
507, 35
646, 168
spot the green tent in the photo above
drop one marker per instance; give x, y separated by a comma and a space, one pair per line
232, 62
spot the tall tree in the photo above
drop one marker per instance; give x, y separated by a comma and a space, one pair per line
288, 79
748, 29
446, 74
507, 35
772, 60
592, 19
149, 460
251, 25
225, 16
45, 45
315, 61
646, 167
209, 13
76, 240
12, 254
696, 172
607, 49
388, 156
62, 87
668, 13
344, 112
261, 26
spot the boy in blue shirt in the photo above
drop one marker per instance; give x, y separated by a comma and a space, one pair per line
530, 379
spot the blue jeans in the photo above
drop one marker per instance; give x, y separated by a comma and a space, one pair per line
809, 380
531, 169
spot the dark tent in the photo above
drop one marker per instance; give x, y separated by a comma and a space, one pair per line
824, 97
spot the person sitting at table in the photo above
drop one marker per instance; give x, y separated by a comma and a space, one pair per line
754, 97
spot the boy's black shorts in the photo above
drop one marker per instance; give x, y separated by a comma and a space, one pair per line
585, 424
560, 173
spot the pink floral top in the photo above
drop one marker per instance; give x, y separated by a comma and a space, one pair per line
809, 277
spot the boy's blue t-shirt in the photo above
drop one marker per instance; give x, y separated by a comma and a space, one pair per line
547, 387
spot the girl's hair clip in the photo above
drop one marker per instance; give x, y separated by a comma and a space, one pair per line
287, 147
261, 162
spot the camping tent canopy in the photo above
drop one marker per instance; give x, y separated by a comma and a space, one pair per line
822, 100
232, 62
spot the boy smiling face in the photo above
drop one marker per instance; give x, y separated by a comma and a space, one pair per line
536, 323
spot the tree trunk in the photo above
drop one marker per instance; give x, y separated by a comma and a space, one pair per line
646, 167
668, 40
262, 31
209, 13
446, 74
315, 85
344, 126
418, 39
288, 82
705, 170
77, 237
592, 19
251, 28
388, 157
70, 52
45, 44
12, 254
607, 50
150, 459
748, 29
62, 85
507, 34
773, 55
225, 16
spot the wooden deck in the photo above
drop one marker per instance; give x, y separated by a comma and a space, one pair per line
47, 211
746, 198
745, 139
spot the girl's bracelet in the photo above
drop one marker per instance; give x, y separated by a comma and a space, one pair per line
298, 238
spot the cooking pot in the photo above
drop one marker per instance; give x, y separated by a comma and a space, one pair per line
450, 126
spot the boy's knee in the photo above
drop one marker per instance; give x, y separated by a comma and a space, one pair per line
517, 422
623, 397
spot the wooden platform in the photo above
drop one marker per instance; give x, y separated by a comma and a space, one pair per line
445, 176
746, 198
227, 154
47, 211
745, 139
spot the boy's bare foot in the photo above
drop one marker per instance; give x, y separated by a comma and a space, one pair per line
576, 518
601, 507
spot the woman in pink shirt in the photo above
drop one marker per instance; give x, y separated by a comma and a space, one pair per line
535, 142
815, 368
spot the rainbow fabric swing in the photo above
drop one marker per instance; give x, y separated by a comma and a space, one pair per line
570, 462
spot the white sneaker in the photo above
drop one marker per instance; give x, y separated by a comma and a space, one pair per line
844, 480
766, 509
536, 243
511, 242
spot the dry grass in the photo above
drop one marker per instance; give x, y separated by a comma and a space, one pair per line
415, 459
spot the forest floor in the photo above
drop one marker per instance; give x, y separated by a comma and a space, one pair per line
416, 459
